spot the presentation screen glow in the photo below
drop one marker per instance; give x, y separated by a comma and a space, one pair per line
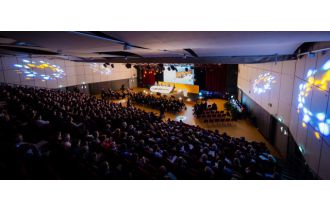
179, 73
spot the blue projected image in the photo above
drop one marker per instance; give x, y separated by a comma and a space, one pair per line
318, 121
38, 71
263, 83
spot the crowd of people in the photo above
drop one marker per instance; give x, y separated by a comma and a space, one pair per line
199, 108
51, 134
163, 103
113, 95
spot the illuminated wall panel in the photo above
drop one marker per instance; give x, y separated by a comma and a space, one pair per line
300, 68
12, 76
289, 67
52, 83
80, 79
302, 93
265, 66
70, 71
326, 138
2, 77
265, 99
62, 82
58, 72
40, 83
274, 93
310, 63
277, 67
96, 77
284, 105
294, 121
89, 78
72, 80
1, 66
29, 82
324, 169
8, 63
322, 76
301, 131
319, 104
313, 149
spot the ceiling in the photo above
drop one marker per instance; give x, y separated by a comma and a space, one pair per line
161, 46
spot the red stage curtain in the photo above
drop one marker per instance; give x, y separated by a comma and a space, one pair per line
215, 78
148, 77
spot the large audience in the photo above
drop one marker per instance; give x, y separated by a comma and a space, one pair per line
110, 94
169, 104
51, 134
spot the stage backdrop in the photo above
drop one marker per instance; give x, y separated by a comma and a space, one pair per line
217, 78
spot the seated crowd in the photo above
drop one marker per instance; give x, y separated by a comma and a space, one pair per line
169, 104
199, 108
113, 95
51, 134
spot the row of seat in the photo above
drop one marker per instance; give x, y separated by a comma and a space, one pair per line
220, 118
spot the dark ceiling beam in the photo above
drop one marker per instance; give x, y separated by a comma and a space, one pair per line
191, 52
202, 60
120, 53
106, 37
27, 50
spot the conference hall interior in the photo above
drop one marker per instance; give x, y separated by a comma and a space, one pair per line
99, 105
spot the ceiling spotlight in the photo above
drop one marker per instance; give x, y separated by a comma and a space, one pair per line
128, 65
168, 68
112, 65
105, 65
186, 69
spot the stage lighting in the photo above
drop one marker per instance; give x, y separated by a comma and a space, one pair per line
128, 65
105, 65
112, 65
172, 67
168, 68
186, 69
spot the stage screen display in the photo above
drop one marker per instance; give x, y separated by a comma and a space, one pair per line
179, 73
